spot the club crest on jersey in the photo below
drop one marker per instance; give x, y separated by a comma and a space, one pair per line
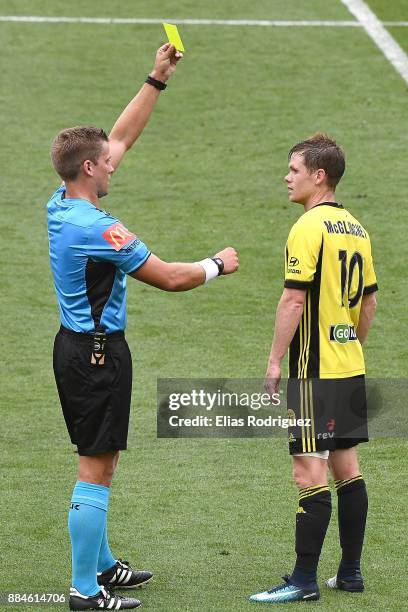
118, 236
342, 333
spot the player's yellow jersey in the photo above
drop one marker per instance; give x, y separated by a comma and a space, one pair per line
328, 252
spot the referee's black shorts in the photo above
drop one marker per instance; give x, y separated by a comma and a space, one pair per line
331, 414
95, 399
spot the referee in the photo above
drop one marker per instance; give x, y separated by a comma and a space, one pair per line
323, 317
91, 255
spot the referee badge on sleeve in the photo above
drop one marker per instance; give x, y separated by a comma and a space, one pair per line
118, 236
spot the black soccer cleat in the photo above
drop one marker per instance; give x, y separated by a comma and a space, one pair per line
104, 600
122, 576
352, 585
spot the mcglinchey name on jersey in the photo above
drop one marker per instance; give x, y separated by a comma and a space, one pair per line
345, 227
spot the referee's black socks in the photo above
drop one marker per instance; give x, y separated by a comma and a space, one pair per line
352, 512
312, 520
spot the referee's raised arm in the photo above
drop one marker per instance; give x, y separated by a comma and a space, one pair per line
132, 121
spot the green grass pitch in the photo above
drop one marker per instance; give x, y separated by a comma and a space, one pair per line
212, 518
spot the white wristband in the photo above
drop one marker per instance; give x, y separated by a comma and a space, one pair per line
210, 268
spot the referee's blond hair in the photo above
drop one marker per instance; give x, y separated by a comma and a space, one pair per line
72, 146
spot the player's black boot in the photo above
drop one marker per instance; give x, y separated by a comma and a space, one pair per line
121, 575
352, 585
104, 600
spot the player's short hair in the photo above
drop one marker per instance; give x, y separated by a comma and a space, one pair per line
72, 146
321, 151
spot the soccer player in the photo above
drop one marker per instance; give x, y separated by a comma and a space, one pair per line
91, 255
323, 317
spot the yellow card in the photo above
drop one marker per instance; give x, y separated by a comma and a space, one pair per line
173, 36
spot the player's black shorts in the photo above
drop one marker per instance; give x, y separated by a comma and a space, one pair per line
330, 413
95, 399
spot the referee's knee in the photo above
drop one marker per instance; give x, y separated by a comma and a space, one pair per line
98, 469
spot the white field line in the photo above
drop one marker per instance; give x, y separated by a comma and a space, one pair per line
137, 20
219, 22
383, 39
365, 19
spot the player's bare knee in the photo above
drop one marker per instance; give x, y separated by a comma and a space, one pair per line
308, 472
300, 481
301, 477
345, 474
344, 464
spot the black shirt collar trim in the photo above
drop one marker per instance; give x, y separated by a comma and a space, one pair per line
335, 204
